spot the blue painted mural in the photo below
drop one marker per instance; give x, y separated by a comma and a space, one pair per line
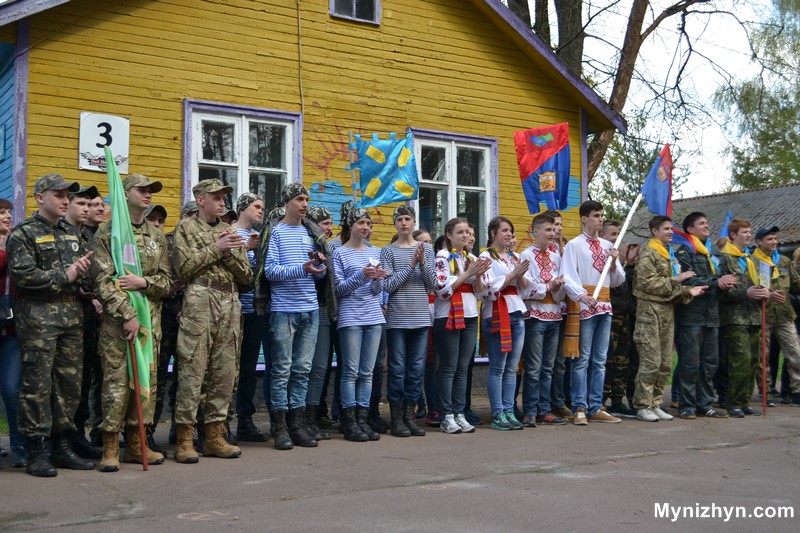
7, 121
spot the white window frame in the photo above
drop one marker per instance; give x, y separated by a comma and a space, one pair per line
451, 142
352, 16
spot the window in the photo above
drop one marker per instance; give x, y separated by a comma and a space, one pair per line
246, 148
360, 10
457, 175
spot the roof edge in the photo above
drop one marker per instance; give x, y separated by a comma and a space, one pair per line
739, 191
21, 9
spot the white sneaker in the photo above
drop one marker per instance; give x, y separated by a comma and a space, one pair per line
580, 417
448, 425
661, 414
647, 415
465, 426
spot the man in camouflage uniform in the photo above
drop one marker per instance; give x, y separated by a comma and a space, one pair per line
46, 263
697, 322
121, 325
740, 319
780, 314
210, 258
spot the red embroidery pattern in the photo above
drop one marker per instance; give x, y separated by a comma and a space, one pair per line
600, 309
544, 264
545, 315
598, 254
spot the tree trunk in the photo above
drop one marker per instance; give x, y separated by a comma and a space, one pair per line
521, 9
570, 34
541, 21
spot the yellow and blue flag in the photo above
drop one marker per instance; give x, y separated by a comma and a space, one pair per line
724, 231
387, 169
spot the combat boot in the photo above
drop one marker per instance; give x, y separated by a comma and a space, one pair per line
136, 448
410, 420
216, 444
399, 429
110, 460
375, 420
352, 431
39, 464
362, 416
279, 431
312, 423
63, 456
295, 419
84, 448
184, 446
247, 431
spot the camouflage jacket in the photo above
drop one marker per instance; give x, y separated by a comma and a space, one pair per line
788, 282
154, 259
735, 308
39, 255
325, 292
654, 280
702, 310
196, 254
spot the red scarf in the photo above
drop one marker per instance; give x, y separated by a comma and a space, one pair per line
501, 321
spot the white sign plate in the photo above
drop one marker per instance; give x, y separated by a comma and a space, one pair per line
98, 131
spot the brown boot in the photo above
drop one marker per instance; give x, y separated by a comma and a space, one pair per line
110, 459
184, 446
134, 448
216, 443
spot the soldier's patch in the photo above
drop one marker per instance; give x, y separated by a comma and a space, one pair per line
153, 245
45, 238
75, 246
70, 238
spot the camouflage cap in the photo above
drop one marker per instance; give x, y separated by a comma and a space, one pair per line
356, 214
317, 214
404, 210
207, 186
156, 207
344, 209
292, 190
231, 214
189, 207
137, 180
90, 192
55, 182
246, 200
278, 212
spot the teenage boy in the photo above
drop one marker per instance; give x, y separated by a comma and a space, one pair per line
542, 324
657, 288
740, 319
582, 265
780, 314
697, 322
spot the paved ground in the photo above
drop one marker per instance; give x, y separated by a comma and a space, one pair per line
598, 478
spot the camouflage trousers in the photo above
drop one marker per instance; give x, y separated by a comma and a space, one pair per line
787, 338
207, 354
655, 327
51, 342
742, 346
623, 360
119, 403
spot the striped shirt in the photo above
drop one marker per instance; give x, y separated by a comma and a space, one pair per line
359, 298
247, 298
407, 288
293, 289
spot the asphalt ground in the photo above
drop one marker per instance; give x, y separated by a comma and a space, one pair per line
602, 477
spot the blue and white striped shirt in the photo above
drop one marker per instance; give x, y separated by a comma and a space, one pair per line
247, 298
293, 289
359, 298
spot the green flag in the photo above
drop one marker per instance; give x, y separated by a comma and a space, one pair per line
126, 261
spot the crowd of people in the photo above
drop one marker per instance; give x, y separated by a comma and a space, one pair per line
564, 342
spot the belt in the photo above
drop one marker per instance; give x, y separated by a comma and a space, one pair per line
224, 286
64, 297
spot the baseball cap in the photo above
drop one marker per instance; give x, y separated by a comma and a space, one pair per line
137, 180
189, 207
55, 182
156, 207
207, 186
90, 191
763, 232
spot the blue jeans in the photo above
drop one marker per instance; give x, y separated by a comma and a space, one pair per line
294, 336
589, 370
502, 377
319, 366
10, 378
456, 349
406, 361
359, 350
541, 345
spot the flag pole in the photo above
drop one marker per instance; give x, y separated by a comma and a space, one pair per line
352, 169
609, 259
138, 400
764, 356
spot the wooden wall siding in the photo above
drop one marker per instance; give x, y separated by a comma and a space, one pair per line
436, 65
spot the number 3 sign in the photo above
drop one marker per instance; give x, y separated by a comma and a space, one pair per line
98, 131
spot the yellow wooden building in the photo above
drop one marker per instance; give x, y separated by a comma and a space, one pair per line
264, 92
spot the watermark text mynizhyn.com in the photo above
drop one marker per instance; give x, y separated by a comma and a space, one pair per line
724, 512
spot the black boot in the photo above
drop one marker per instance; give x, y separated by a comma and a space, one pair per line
410, 421
83, 448
279, 431
295, 419
399, 429
63, 456
247, 431
173, 434
374, 419
352, 431
312, 423
362, 416
39, 464
151, 441
229, 437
